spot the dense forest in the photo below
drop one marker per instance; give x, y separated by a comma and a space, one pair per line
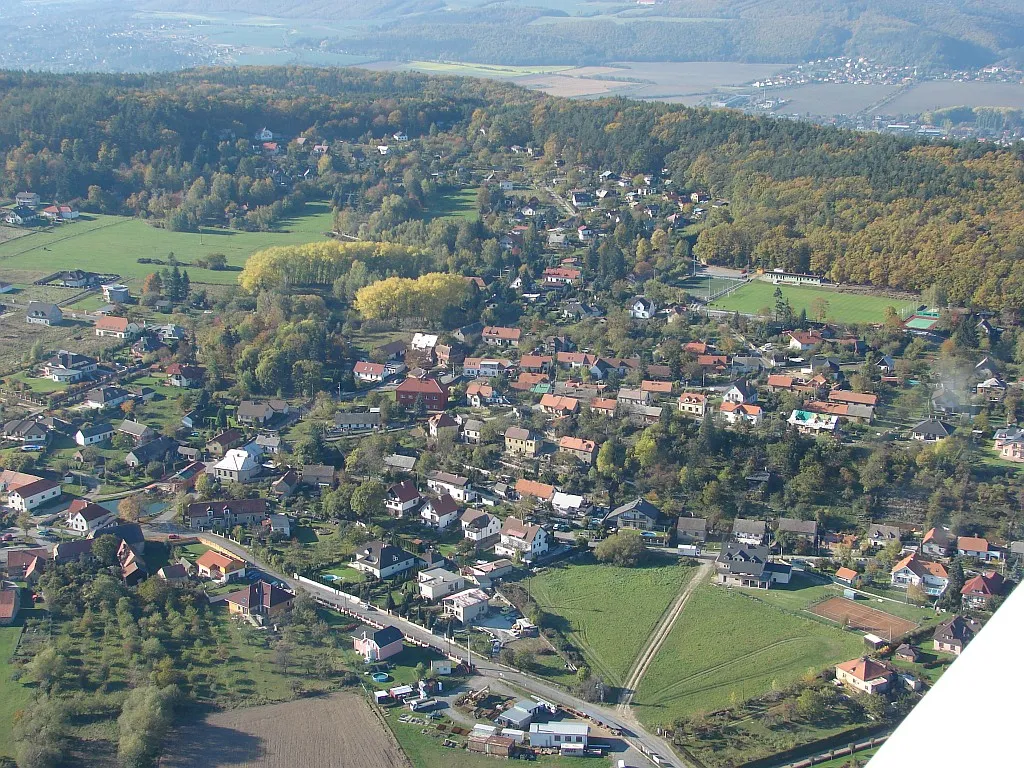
178, 150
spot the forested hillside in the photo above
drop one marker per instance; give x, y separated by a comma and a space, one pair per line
178, 151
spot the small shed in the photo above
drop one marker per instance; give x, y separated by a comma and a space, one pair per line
874, 641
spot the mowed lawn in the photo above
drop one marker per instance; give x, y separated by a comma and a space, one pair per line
115, 243
454, 204
609, 612
842, 307
727, 644
13, 695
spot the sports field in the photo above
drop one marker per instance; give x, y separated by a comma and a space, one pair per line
863, 617
113, 244
609, 612
842, 307
727, 647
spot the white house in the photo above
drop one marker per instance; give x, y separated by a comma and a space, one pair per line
85, 517
642, 308
94, 434
734, 413
524, 539
383, 560
440, 513
913, 571
238, 466
479, 526
456, 486
467, 606
401, 498
559, 734
27, 497
568, 504
436, 583
740, 392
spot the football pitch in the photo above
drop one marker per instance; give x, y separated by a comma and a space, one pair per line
757, 295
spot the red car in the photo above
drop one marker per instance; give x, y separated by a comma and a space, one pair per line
173, 536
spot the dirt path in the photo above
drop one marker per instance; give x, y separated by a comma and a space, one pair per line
657, 639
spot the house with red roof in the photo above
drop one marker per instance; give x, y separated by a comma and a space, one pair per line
433, 395
912, 570
866, 675
978, 590
977, 548
498, 336
116, 327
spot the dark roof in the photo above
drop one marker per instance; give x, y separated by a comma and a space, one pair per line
806, 527
387, 635
692, 525
932, 428
96, 429
260, 595
638, 506
745, 560
404, 491
235, 506
341, 419
131, 533
153, 450
382, 555
444, 505
227, 438
745, 525
957, 629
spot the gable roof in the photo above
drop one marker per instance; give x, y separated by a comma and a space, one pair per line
211, 558
921, 567
516, 528
533, 488
404, 491
864, 669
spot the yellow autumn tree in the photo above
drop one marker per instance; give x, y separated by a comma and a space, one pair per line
427, 296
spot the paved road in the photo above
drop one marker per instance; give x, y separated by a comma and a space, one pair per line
484, 667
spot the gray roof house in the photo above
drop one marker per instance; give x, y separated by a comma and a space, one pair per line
43, 313
691, 530
752, 532
802, 529
744, 566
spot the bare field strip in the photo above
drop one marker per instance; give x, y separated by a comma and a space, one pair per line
862, 617
336, 731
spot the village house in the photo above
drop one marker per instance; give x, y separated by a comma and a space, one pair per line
913, 571
28, 431
536, 363
27, 199
809, 423
976, 548
84, 517
218, 567
441, 425
456, 486
691, 530
140, 433
953, 635
640, 515
439, 513
519, 440
642, 308
847, 576
979, 590
471, 431
521, 539
938, 542
237, 466
225, 515
159, 449
10, 604
739, 392
879, 535
742, 565
805, 530
382, 560
559, 405
260, 599
486, 367
498, 336
584, 450
357, 421
930, 431
480, 527
412, 392
735, 413
480, 394
106, 397
26, 497
802, 341
865, 675
185, 376
693, 404
43, 313
378, 645
467, 606
750, 532
69, 367
260, 412
534, 490
401, 498
94, 435
435, 583
117, 327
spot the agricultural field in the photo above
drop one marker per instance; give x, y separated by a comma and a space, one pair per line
314, 731
607, 611
115, 243
842, 307
726, 647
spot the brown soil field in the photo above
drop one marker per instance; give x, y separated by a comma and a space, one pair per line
336, 731
862, 617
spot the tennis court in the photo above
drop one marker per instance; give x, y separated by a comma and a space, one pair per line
863, 617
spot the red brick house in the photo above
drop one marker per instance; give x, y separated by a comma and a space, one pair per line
435, 397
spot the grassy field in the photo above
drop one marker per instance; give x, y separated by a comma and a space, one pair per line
726, 646
115, 243
455, 204
13, 695
842, 307
492, 71
609, 612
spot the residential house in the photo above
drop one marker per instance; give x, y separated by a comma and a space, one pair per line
219, 567
84, 517
471, 431
526, 540
317, 475
69, 367
642, 308
809, 423
28, 496
286, 484
852, 398
117, 327
435, 583
992, 389
519, 440
43, 313
62, 213
467, 606
693, 404
106, 397
378, 645
140, 433
225, 515
604, 406
185, 376
369, 372
912, 570
804, 530
27, 199
237, 466
879, 535
802, 341
953, 635
176, 575
979, 590
260, 412
639, 515
279, 525
559, 405
750, 532
498, 336
28, 431
20, 215
847, 576
976, 548
931, 431
739, 392
223, 442
938, 542
412, 392
10, 604
456, 486
568, 504
260, 599
532, 489
19, 561
355, 421
423, 345
565, 735
656, 389
401, 498
440, 512
536, 363
382, 560
584, 450
480, 527
866, 675
735, 413
159, 449
691, 530
442, 425
742, 565
486, 367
